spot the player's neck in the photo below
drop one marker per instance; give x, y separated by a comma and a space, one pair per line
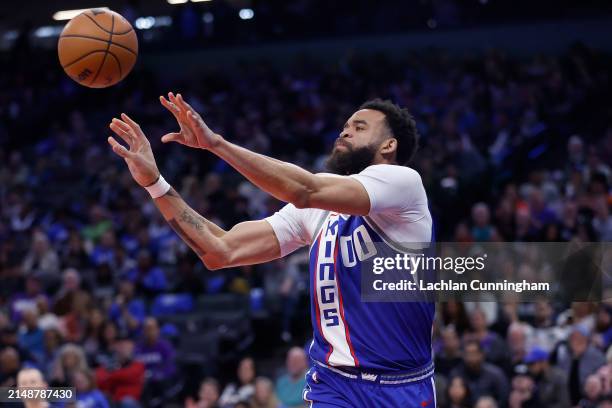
379, 159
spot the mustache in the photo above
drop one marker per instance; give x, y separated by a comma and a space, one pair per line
342, 142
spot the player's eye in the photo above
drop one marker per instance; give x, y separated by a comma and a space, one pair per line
360, 128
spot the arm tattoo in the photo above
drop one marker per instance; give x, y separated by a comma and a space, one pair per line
181, 232
191, 220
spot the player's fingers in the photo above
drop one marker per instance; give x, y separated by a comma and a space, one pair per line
131, 123
134, 127
170, 106
125, 127
121, 124
184, 103
120, 150
193, 119
121, 132
171, 137
173, 99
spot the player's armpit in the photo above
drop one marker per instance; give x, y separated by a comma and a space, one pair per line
341, 194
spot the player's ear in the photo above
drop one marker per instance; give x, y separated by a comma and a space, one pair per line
388, 147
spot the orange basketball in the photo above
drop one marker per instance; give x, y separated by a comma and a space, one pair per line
98, 48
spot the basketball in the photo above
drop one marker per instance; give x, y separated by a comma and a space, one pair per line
98, 48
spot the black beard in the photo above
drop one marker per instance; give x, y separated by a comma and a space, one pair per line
351, 161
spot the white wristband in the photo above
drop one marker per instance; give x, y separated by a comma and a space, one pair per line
159, 188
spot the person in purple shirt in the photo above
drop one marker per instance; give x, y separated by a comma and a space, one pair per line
157, 354
27, 299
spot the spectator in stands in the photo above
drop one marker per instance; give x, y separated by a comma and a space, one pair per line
486, 402
290, 386
9, 339
449, 356
495, 349
46, 318
518, 340
458, 394
31, 377
605, 372
593, 394
482, 230
104, 354
42, 258
264, 396
550, 381
208, 395
93, 331
127, 311
27, 299
603, 327
75, 322
244, 389
602, 221
52, 343
481, 377
9, 367
99, 230
157, 354
70, 358
30, 335
71, 284
523, 393
579, 359
123, 378
73, 254
86, 393
545, 333
453, 313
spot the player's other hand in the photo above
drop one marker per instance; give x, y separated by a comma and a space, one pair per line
139, 157
194, 132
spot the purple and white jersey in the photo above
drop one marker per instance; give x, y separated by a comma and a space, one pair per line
381, 336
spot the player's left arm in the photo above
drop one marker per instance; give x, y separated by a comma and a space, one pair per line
285, 181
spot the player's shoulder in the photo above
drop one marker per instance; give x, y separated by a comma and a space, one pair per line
392, 172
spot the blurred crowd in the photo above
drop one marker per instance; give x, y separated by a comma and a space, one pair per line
512, 149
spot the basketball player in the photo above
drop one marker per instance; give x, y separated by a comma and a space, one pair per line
364, 354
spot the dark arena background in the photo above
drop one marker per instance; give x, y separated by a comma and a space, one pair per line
513, 101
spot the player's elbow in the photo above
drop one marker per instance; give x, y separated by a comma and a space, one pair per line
216, 261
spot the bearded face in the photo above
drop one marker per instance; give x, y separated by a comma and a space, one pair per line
346, 159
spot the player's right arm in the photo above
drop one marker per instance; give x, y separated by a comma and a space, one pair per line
246, 243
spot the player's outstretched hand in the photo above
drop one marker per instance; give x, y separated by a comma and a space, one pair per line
194, 131
139, 157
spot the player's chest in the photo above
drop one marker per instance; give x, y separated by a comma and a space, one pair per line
342, 242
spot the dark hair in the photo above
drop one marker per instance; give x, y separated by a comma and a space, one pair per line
467, 399
402, 126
